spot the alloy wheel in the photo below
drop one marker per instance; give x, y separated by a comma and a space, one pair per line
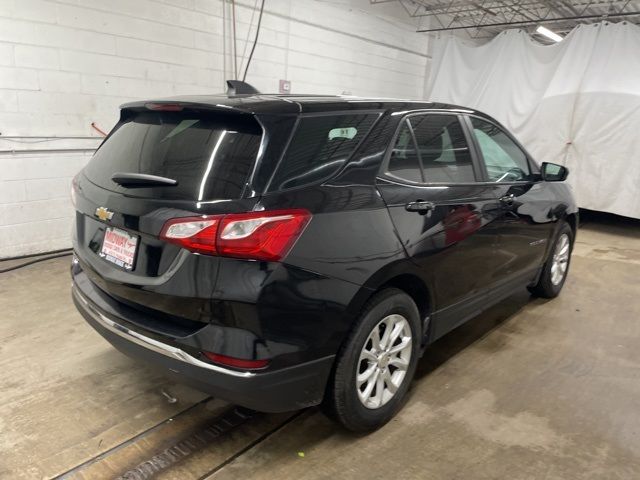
384, 360
560, 260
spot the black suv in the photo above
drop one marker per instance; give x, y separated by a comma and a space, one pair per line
283, 251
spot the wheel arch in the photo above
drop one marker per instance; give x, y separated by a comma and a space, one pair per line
403, 275
415, 288
572, 219
562, 213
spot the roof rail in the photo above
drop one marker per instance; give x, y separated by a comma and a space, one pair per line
237, 87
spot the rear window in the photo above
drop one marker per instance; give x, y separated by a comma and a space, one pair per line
211, 156
319, 147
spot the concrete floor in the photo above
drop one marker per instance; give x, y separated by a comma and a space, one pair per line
530, 389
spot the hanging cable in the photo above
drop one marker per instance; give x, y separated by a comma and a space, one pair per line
224, 42
98, 129
31, 262
235, 43
246, 40
255, 42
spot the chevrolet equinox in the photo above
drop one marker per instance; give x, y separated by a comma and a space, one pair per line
282, 251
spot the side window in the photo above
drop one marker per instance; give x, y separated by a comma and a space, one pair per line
404, 162
505, 161
443, 149
319, 147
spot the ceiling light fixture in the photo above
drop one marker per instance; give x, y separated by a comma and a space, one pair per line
548, 33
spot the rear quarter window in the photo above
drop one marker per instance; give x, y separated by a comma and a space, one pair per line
319, 147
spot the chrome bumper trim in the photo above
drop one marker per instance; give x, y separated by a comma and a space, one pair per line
150, 343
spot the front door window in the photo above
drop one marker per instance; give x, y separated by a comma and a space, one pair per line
505, 161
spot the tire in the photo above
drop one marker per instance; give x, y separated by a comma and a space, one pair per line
390, 310
549, 284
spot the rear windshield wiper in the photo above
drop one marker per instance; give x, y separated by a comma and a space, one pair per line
142, 180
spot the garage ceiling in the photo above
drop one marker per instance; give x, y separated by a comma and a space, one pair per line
487, 18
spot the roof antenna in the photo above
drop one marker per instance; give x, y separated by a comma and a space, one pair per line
238, 87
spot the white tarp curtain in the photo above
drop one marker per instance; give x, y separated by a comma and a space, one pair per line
576, 103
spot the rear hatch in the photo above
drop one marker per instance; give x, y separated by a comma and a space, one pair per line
201, 161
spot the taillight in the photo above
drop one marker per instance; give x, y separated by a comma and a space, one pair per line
255, 235
261, 235
197, 234
235, 362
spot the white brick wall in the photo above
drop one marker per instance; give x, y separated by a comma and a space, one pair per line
65, 64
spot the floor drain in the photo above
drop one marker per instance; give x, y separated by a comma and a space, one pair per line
189, 445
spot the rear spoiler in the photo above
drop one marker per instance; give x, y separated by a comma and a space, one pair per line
234, 88
179, 104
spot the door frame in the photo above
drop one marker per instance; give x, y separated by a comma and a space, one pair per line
520, 277
443, 319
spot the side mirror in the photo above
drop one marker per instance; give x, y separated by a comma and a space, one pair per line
552, 172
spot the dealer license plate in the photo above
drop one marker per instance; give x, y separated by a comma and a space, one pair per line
119, 247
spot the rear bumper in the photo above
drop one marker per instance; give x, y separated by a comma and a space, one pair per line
282, 390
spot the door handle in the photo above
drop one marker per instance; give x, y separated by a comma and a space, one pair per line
508, 199
419, 206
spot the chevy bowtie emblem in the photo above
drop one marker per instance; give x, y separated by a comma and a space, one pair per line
104, 214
